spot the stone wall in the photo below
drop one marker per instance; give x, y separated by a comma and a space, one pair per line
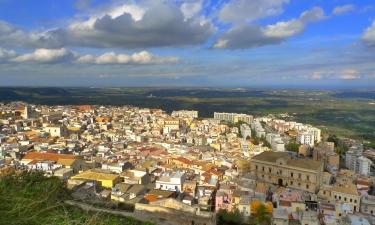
169, 216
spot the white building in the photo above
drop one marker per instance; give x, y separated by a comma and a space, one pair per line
55, 130
363, 166
306, 138
276, 142
171, 181
185, 113
245, 131
233, 117
356, 162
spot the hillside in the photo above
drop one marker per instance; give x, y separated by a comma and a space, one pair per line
29, 198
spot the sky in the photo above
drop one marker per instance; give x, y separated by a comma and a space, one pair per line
210, 43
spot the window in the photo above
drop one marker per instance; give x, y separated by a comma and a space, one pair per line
351, 200
307, 186
263, 168
291, 182
308, 177
269, 169
291, 174
344, 198
339, 197
256, 167
355, 200
299, 176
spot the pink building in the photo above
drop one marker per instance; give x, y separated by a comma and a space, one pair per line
223, 200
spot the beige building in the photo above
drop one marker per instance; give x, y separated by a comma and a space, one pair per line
346, 194
281, 169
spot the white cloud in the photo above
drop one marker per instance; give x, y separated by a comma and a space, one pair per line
142, 57
295, 26
249, 36
369, 35
6, 54
191, 8
247, 11
316, 76
284, 29
47, 56
349, 74
63, 55
343, 9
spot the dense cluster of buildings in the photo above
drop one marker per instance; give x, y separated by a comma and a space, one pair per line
188, 167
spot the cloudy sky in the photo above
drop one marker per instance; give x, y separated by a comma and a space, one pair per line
234, 43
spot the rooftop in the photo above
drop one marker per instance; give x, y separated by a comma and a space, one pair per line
272, 157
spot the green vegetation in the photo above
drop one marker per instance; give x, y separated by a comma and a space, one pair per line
29, 198
339, 149
261, 216
228, 218
333, 138
292, 146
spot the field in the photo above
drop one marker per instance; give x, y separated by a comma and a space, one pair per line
346, 113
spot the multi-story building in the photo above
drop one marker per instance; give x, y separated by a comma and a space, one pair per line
306, 138
277, 144
172, 124
356, 162
171, 181
282, 169
346, 193
363, 166
185, 113
368, 204
55, 130
233, 117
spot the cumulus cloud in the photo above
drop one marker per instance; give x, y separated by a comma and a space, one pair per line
244, 10
123, 26
368, 36
191, 8
6, 54
349, 74
343, 9
249, 36
142, 57
63, 55
9, 35
161, 25
47, 56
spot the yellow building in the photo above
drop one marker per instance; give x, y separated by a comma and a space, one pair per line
107, 180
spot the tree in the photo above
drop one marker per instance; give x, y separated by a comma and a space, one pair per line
292, 146
265, 142
262, 215
228, 218
333, 138
341, 150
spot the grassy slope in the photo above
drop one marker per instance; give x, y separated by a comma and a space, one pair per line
32, 199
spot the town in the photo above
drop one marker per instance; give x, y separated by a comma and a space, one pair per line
179, 168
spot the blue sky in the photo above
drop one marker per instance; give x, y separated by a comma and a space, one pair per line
233, 43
